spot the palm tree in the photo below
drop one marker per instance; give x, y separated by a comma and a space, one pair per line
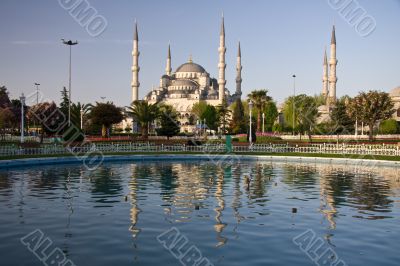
76, 112
144, 113
259, 99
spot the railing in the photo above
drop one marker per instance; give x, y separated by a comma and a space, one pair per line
387, 150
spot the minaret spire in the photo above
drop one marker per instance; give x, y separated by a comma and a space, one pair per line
325, 82
135, 66
221, 64
333, 38
239, 73
168, 69
332, 70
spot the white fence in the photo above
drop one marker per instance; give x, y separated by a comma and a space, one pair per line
388, 150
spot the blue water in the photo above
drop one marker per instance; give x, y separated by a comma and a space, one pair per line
113, 215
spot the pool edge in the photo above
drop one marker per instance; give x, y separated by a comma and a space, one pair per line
218, 159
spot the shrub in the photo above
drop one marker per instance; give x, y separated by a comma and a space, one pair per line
73, 136
388, 127
277, 128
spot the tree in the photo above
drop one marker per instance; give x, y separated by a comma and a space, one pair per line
259, 99
271, 113
223, 115
341, 121
198, 109
210, 115
388, 127
64, 102
238, 123
319, 99
6, 120
144, 113
4, 99
49, 117
76, 112
305, 113
371, 107
168, 121
105, 114
289, 116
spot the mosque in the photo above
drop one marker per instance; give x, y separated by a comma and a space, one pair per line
190, 83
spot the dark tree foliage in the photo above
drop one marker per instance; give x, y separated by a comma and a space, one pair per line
259, 99
50, 117
342, 122
168, 122
105, 114
211, 116
144, 113
238, 122
4, 99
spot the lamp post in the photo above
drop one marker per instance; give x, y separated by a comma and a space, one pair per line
362, 128
294, 95
263, 117
197, 127
250, 131
37, 102
22, 99
81, 117
356, 131
37, 92
205, 127
70, 44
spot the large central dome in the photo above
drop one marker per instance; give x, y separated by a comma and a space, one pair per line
191, 67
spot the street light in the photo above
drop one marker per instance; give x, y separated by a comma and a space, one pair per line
81, 117
70, 44
37, 103
263, 117
250, 133
22, 99
37, 92
294, 95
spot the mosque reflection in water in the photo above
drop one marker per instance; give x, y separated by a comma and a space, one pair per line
187, 188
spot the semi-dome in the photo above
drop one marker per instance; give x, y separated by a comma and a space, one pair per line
184, 82
191, 67
395, 92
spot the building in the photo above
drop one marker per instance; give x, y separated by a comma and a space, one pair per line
395, 95
190, 83
329, 80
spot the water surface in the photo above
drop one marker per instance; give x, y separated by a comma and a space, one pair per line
113, 215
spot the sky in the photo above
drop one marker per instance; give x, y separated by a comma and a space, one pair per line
278, 38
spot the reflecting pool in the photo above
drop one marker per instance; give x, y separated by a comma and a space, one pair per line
187, 213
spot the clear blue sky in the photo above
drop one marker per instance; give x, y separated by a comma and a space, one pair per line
278, 38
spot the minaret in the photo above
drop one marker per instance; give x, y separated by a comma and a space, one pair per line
135, 67
332, 71
221, 64
168, 69
239, 73
325, 82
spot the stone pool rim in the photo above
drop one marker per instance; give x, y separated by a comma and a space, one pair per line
4, 164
